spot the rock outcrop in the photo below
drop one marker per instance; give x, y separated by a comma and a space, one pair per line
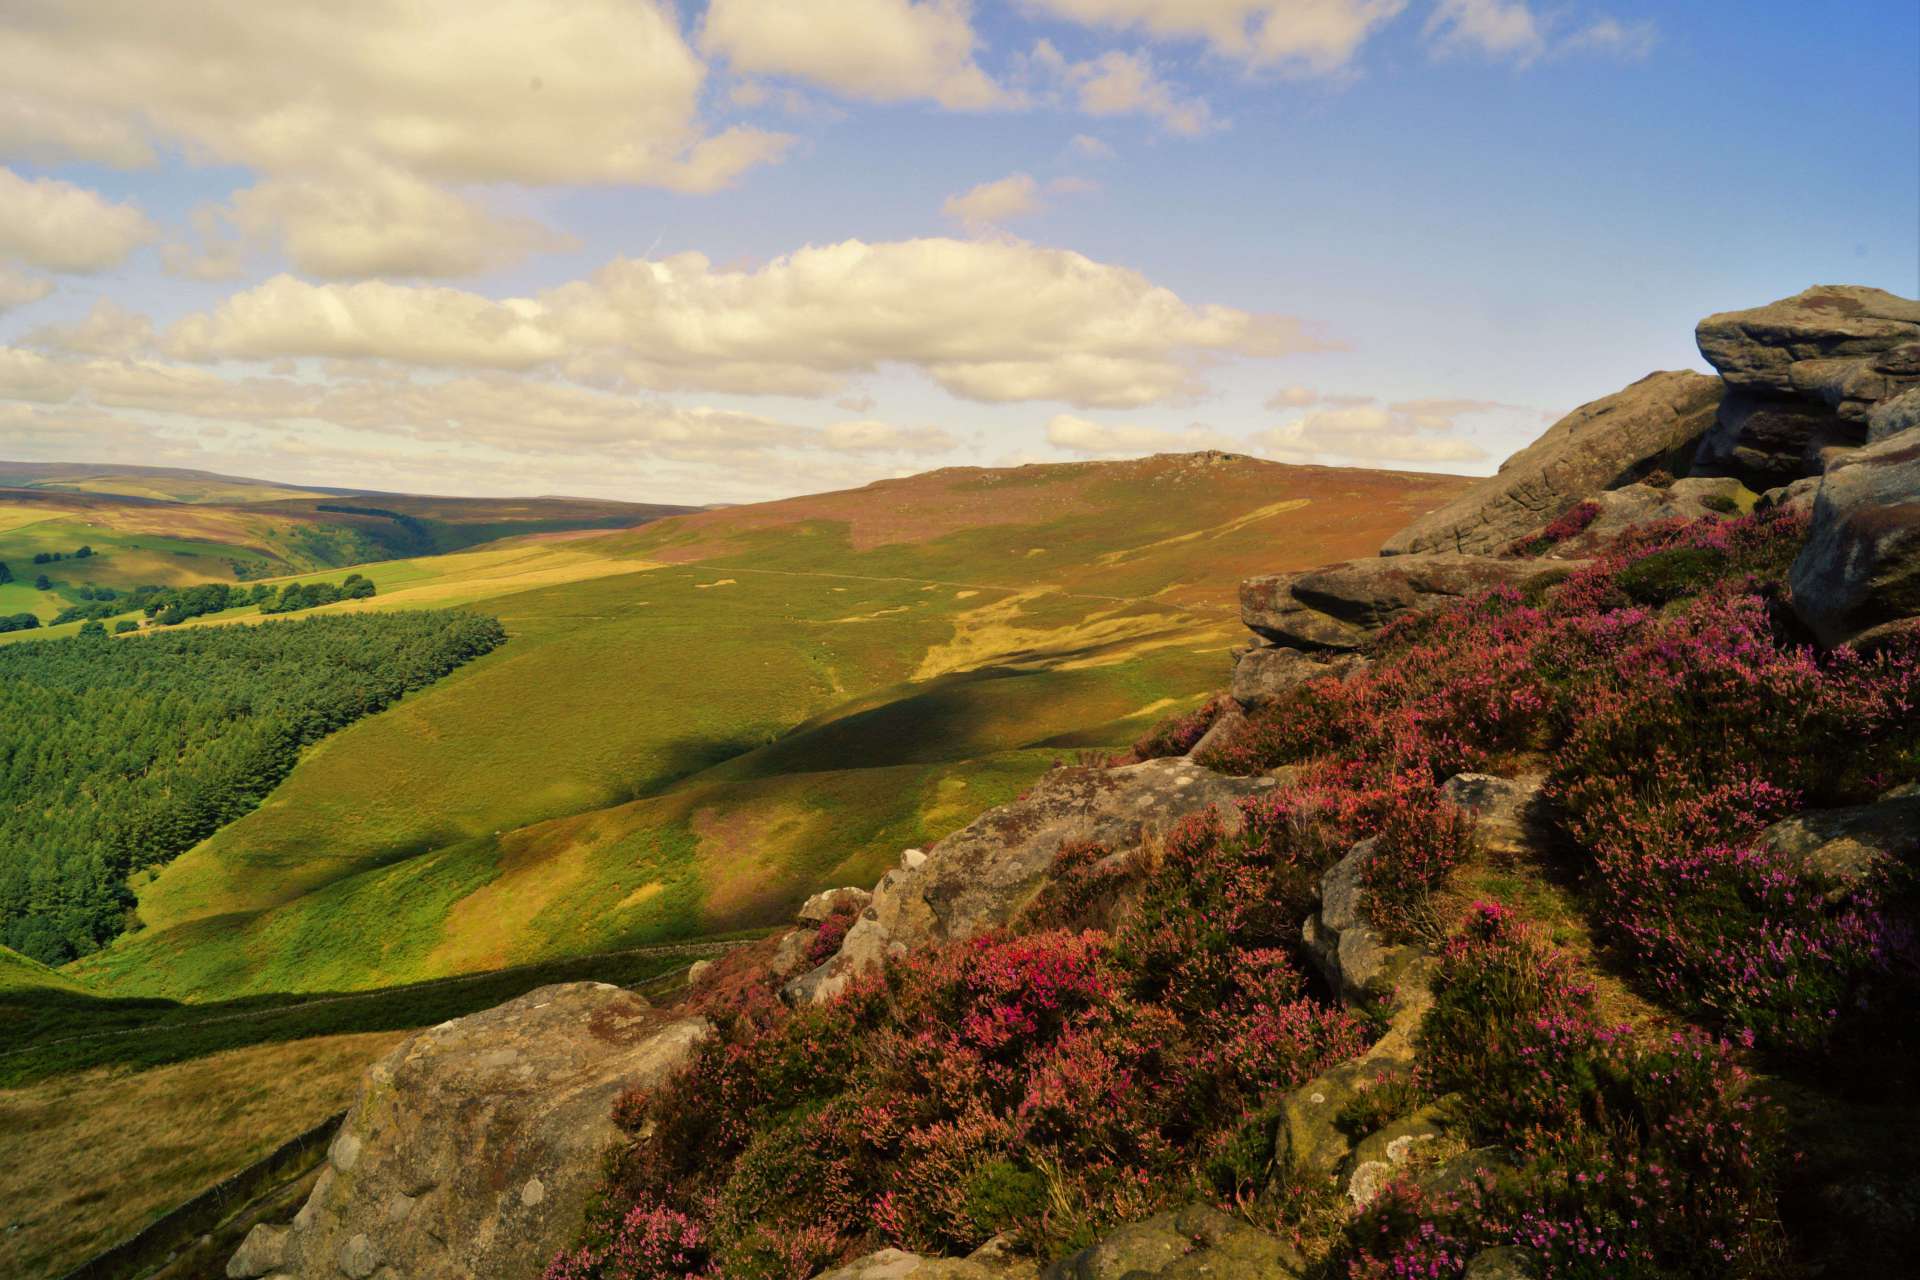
1618, 510
1658, 421
1843, 346
1508, 813
896, 1264
1859, 573
1263, 673
980, 876
1846, 846
1806, 377
1343, 606
1194, 1243
474, 1145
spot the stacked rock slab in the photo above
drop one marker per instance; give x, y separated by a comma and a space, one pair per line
474, 1145
1656, 422
1805, 376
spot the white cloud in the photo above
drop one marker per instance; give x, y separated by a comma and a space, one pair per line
1360, 428
1124, 84
1610, 37
545, 91
1015, 196
1494, 28
1095, 439
869, 436
874, 50
522, 433
378, 221
1316, 37
1091, 147
108, 329
56, 225
1511, 30
17, 288
372, 319
993, 320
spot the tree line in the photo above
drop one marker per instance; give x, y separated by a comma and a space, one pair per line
118, 756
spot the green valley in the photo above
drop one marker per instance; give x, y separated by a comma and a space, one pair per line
694, 723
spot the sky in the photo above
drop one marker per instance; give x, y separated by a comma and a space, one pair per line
741, 249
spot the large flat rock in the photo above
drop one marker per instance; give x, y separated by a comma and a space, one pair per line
474, 1145
1846, 346
1602, 445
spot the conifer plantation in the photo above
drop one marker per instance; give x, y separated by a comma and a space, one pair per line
120, 754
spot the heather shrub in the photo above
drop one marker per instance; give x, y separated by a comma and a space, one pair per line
1176, 735
1721, 503
1037, 1084
832, 932
1422, 838
1569, 525
1627, 1161
1669, 575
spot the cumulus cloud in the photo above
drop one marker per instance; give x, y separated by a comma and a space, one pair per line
17, 288
1299, 397
1096, 439
1124, 84
1318, 37
1091, 147
1363, 429
108, 329
49, 223
874, 50
490, 423
1610, 37
1495, 28
1510, 30
991, 203
373, 319
546, 91
993, 320
869, 436
379, 221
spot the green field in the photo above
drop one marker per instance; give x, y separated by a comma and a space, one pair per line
696, 723
153, 526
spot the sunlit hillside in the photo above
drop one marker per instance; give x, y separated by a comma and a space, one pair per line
695, 723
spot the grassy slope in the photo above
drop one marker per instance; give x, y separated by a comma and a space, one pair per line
87, 1160
698, 721
181, 528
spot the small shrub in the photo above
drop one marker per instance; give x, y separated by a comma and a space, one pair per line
1668, 575
1721, 503
1375, 1106
1176, 735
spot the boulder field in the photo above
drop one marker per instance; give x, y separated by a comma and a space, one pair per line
474, 1146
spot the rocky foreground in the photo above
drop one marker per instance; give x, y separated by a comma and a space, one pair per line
1654, 683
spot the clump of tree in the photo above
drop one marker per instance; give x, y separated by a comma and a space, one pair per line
53, 557
116, 757
308, 595
18, 622
6, 574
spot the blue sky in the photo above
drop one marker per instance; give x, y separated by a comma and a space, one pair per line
619, 248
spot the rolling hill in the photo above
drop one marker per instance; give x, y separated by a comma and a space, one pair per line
167, 527
697, 721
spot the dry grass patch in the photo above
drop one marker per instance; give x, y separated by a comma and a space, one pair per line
87, 1160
